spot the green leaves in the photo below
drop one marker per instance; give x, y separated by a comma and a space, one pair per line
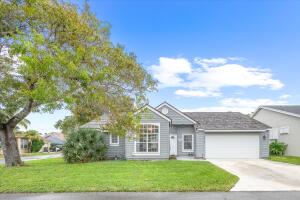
63, 56
278, 148
85, 145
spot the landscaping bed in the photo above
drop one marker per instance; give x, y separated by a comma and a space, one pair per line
54, 175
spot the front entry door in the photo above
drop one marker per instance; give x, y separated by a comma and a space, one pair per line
173, 145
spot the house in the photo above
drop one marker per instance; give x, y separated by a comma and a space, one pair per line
22, 142
285, 123
166, 131
51, 140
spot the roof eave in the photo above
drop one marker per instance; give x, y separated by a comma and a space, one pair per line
274, 110
235, 131
176, 110
155, 111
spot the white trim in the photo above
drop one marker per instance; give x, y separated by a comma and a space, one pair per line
274, 110
235, 131
155, 111
187, 150
284, 130
111, 143
149, 153
176, 110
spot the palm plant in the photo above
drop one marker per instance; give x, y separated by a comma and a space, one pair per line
32, 135
278, 148
84, 145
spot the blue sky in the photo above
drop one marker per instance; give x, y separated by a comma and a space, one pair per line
207, 55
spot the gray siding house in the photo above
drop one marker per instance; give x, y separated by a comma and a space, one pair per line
285, 123
166, 131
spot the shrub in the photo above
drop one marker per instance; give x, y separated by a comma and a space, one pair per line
277, 148
84, 145
36, 145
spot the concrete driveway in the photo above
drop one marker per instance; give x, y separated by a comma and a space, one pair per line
262, 175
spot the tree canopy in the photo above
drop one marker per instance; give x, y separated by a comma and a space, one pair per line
58, 56
55, 55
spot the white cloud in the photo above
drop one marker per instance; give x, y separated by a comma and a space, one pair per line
210, 75
245, 106
285, 96
229, 75
169, 70
206, 62
219, 109
197, 93
253, 103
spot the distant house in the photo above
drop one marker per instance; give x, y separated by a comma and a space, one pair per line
167, 131
285, 123
22, 142
51, 140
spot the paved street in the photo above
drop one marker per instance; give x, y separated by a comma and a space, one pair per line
158, 195
28, 158
262, 175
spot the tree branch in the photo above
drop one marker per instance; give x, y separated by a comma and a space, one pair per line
22, 114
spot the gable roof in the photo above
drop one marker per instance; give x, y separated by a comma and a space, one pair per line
292, 110
54, 138
226, 121
155, 111
104, 119
176, 110
97, 124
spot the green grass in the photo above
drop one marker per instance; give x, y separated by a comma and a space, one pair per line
54, 175
33, 154
286, 159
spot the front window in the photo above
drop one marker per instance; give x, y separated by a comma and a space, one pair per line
24, 143
188, 143
148, 139
114, 140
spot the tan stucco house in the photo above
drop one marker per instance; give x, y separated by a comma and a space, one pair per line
22, 143
285, 123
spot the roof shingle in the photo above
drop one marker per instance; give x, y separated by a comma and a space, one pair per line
225, 121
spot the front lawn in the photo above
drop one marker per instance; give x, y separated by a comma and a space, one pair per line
54, 175
286, 159
33, 154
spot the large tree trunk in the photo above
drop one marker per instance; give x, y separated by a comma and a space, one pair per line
9, 146
9, 142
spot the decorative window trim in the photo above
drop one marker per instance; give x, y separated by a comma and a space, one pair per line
284, 130
149, 153
187, 150
110, 141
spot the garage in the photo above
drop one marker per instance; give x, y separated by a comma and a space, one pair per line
232, 145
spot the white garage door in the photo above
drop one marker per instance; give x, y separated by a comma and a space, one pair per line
232, 145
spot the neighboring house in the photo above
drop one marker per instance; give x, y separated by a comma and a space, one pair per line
166, 131
285, 123
52, 139
22, 142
